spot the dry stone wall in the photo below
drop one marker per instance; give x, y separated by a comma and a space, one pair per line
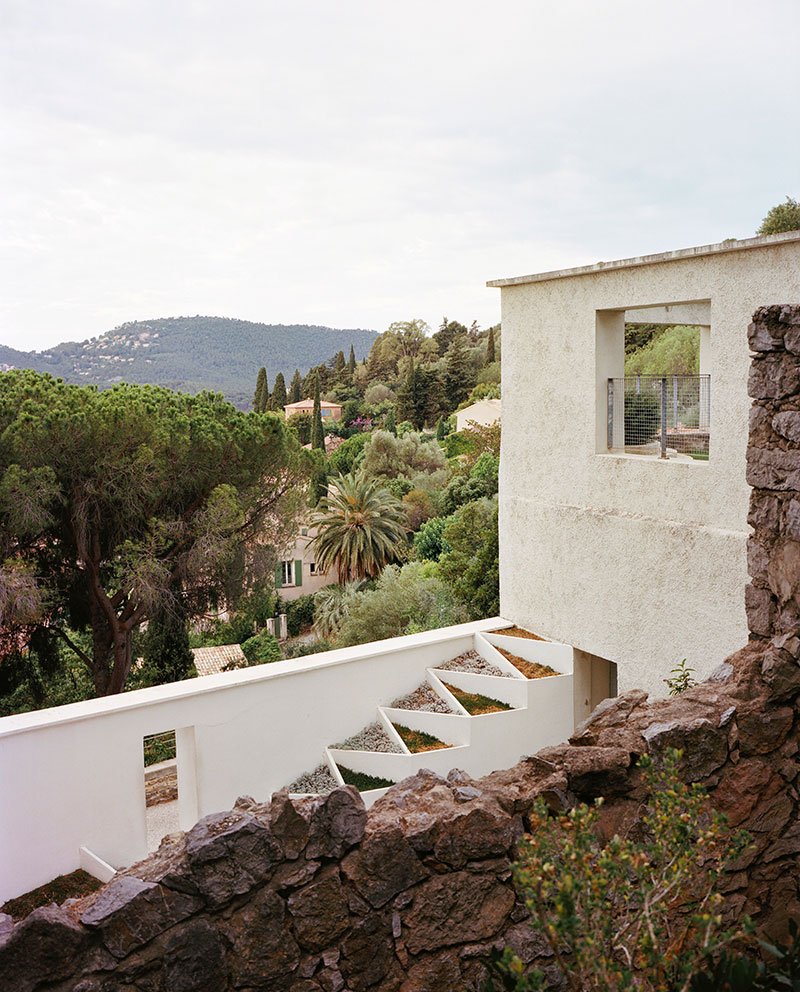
318, 895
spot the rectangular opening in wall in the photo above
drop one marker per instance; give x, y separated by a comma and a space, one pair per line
160, 763
654, 381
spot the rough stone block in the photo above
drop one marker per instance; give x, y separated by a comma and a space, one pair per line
760, 609
45, 947
319, 911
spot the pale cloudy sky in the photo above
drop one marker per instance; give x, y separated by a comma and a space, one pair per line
352, 163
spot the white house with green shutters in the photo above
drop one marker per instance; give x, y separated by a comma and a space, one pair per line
296, 573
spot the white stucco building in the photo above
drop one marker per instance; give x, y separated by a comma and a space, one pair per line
483, 412
632, 559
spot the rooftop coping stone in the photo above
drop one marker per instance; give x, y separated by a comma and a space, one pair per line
721, 248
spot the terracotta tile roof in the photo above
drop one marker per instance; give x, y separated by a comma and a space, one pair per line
210, 661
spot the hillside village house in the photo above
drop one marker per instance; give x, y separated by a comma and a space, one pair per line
635, 560
296, 574
625, 551
483, 412
329, 411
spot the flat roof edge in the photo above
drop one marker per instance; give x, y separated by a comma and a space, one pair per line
722, 247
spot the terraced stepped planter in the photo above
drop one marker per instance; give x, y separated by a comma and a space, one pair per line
518, 681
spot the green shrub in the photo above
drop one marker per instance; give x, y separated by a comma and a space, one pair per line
429, 543
262, 648
632, 914
642, 417
299, 614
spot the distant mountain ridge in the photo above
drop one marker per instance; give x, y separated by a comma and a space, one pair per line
194, 353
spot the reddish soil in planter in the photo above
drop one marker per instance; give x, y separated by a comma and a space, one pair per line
518, 632
418, 741
530, 669
77, 883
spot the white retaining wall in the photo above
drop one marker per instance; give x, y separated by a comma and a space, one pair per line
72, 777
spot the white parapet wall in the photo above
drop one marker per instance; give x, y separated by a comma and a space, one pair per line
72, 778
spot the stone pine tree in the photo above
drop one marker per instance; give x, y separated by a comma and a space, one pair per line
351, 362
317, 430
490, 356
296, 387
278, 399
261, 395
783, 217
458, 378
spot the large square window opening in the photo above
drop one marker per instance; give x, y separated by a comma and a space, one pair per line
653, 381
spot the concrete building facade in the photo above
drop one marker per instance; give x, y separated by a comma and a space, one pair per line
636, 561
483, 412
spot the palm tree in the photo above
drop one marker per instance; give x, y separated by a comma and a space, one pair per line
332, 606
359, 526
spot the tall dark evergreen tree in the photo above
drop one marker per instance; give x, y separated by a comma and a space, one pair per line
339, 366
390, 424
166, 651
296, 387
317, 430
278, 399
351, 362
490, 356
458, 377
259, 401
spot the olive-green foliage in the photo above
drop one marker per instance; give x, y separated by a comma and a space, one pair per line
471, 565
299, 614
332, 606
632, 914
672, 351
360, 527
407, 457
783, 217
456, 444
405, 600
262, 648
429, 543
300, 425
115, 497
481, 481
348, 456
642, 416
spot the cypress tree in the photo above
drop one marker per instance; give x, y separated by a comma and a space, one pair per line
296, 388
339, 366
490, 357
278, 401
458, 379
261, 386
317, 430
390, 424
351, 362
441, 429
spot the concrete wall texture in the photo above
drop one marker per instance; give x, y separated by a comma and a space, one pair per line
632, 559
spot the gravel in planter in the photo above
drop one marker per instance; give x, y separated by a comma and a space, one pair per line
319, 782
423, 698
471, 661
371, 738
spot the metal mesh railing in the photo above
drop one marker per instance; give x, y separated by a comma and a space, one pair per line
660, 414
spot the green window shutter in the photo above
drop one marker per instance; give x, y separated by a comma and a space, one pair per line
279, 576
298, 572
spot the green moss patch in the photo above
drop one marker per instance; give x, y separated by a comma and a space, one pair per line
362, 781
418, 741
475, 704
73, 886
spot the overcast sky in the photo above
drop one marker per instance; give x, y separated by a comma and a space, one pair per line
352, 163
